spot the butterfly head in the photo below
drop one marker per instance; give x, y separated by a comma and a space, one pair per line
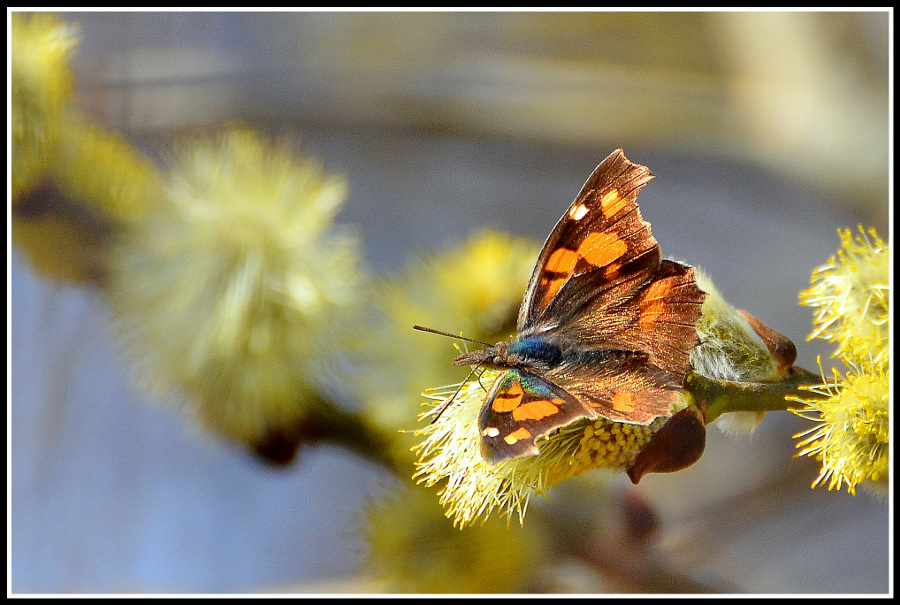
495, 356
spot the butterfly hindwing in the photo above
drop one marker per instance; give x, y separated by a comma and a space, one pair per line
659, 317
520, 408
619, 385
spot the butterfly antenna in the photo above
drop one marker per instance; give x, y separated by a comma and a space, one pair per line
447, 403
449, 335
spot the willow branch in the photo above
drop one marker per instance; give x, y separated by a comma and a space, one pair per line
716, 397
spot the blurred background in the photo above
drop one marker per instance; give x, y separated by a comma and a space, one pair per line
766, 131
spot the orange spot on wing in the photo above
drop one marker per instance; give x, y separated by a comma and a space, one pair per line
612, 270
562, 260
537, 409
551, 287
517, 435
653, 303
597, 249
612, 202
508, 399
601, 249
623, 401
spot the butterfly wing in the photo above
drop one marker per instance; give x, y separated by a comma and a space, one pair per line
623, 386
658, 317
520, 408
601, 242
599, 284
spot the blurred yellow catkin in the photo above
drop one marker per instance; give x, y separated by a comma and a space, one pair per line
850, 298
227, 291
41, 86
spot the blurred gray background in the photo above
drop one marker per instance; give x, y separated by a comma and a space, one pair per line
766, 131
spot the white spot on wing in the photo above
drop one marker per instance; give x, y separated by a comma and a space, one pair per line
577, 212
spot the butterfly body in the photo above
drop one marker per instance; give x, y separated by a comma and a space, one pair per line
605, 328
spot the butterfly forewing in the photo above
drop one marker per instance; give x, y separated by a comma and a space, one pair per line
601, 235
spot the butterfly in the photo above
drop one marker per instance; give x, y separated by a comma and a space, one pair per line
605, 329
